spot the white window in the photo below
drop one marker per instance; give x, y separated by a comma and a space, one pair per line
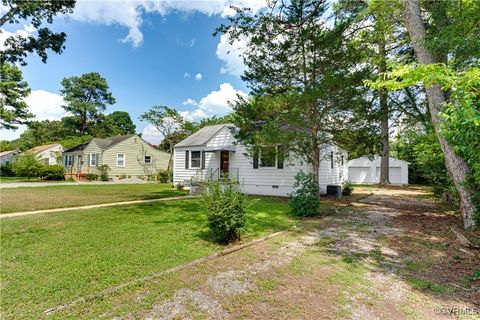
195, 159
147, 159
92, 159
120, 159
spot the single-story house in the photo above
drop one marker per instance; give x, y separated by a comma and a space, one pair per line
7, 156
213, 151
367, 170
48, 153
126, 156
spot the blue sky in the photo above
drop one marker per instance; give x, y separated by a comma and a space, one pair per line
161, 55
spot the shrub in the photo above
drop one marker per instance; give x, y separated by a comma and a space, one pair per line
91, 176
70, 179
163, 176
52, 172
347, 189
179, 186
226, 211
304, 200
6, 170
27, 165
103, 169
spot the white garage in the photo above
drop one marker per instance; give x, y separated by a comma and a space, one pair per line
365, 170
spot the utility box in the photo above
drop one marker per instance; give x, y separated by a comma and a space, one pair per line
333, 190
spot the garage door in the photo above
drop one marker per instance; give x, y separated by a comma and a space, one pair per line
394, 175
359, 174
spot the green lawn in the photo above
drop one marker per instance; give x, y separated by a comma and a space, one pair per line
30, 198
51, 259
19, 179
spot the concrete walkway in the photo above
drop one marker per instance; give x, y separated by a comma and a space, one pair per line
94, 206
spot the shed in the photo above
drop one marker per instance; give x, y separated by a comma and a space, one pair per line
367, 170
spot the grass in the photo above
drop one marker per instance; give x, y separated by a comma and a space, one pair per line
78, 195
422, 284
19, 179
49, 260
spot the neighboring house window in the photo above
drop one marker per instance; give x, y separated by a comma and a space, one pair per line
45, 161
268, 157
120, 159
147, 159
68, 160
92, 159
195, 159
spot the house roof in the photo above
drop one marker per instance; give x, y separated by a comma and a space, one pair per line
4, 153
111, 141
39, 149
79, 147
202, 136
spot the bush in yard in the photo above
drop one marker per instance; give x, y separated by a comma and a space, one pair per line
6, 170
91, 176
103, 169
52, 172
27, 165
304, 200
163, 176
226, 211
347, 189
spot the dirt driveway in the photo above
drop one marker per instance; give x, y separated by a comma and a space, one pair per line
388, 256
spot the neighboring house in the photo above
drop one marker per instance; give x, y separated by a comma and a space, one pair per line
7, 156
48, 154
213, 151
365, 170
126, 156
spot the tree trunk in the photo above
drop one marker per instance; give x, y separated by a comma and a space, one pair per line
456, 165
316, 161
7, 16
384, 115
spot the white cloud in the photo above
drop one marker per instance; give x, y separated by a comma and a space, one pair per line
231, 54
198, 76
215, 103
187, 75
27, 31
190, 102
128, 13
151, 134
192, 42
44, 105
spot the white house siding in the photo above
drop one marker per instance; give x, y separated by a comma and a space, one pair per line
364, 170
8, 157
134, 150
51, 155
262, 181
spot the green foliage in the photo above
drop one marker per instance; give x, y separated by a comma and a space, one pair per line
6, 170
13, 109
52, 172
347, 189
91, 177
27, 165
86, 97
163, 176
103, 169
304, 200
34, 13
226, 211
179, 187
6, 145
122, 123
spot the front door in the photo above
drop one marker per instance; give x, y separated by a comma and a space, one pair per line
79, 163
224, 163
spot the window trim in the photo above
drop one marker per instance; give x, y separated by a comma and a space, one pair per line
69, 160
92, 156
124, 160
199, 159
149, 161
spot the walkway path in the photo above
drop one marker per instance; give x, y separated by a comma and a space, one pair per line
111, 204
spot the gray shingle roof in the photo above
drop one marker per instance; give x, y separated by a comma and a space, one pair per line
110, 141
202, 136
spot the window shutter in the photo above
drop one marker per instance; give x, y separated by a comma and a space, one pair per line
65, 161
280, 157
331, 159
186, 159
97, 157
255, 158
202, 166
